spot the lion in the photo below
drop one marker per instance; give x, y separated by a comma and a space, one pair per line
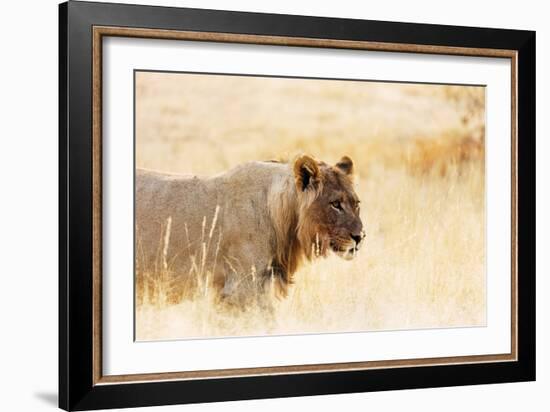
246, 231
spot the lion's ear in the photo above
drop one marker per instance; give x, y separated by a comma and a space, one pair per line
306, 173
345, 164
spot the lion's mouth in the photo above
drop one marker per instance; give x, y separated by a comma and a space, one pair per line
346, 251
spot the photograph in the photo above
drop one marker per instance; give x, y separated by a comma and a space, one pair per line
260, 204
282, 205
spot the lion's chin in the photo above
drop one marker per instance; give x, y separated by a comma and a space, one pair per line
347, 252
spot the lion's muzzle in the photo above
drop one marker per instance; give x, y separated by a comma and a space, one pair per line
348, 249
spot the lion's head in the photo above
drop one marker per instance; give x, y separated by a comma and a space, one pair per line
328, 208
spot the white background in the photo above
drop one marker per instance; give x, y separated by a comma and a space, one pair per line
122, 356
28, 218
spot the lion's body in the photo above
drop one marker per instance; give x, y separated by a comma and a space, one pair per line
242, 231
240, 243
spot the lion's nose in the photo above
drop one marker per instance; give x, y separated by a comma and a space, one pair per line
358, 238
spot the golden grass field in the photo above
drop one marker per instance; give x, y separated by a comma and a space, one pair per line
419, 155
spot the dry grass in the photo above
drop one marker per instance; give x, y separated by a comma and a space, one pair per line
419, 153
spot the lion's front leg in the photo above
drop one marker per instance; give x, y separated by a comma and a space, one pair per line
246, 287
242, 270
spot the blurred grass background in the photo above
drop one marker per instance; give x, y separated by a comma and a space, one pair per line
419, 156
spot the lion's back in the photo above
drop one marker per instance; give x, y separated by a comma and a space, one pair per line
160, 196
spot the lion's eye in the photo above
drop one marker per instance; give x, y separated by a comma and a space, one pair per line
336, 205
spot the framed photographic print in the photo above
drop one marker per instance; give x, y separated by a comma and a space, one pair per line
256, 205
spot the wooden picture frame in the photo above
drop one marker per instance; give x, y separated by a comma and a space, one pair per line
82, 27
